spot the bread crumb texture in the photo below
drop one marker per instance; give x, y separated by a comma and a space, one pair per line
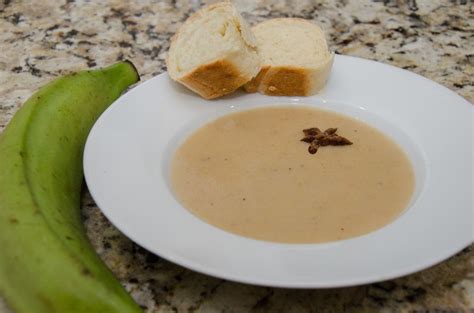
214, 52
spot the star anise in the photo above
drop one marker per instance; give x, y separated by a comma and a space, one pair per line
316, 138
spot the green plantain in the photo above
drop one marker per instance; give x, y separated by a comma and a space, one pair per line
47, 264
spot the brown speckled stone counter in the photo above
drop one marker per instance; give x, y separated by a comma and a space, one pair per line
42, 39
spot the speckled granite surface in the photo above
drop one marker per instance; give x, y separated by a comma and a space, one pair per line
432, 38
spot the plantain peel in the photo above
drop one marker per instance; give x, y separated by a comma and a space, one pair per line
47, 264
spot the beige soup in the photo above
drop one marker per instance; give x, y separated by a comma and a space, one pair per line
249, 173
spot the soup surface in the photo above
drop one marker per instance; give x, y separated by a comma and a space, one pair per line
249, 173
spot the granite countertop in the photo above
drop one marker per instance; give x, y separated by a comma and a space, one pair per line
432, 38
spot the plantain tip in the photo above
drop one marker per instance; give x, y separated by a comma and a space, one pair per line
134, 68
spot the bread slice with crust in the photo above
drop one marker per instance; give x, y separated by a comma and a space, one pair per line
295, 58
214, 52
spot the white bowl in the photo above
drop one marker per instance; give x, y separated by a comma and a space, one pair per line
129, 149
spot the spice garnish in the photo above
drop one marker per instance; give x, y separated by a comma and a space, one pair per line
316, 138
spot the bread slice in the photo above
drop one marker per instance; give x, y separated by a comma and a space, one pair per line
295, 58
214, 52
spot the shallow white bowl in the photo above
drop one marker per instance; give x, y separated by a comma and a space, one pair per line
129, 149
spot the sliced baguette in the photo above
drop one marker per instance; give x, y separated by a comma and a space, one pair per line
295, 58
214, 52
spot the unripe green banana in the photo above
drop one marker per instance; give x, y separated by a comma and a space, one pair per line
47, 264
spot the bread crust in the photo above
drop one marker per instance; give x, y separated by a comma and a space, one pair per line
285, 81
254, 84
214, 79
290, 80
